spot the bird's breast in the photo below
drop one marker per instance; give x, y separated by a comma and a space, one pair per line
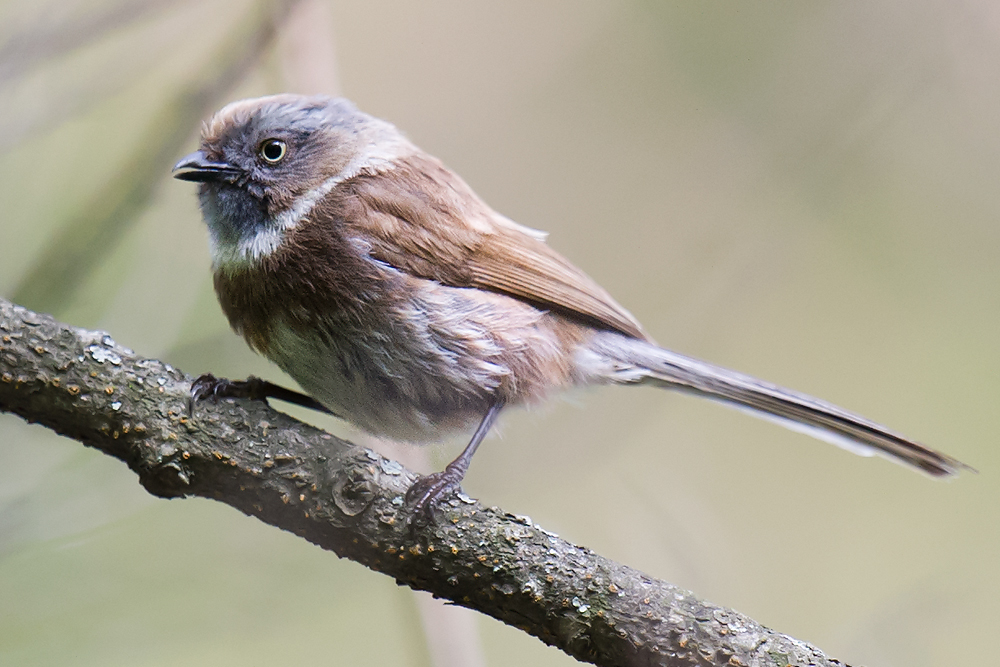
396, 355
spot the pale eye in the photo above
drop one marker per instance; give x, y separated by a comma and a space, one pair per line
273, 150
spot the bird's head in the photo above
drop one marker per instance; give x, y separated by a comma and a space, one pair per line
265, 162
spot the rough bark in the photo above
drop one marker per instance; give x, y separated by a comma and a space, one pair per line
350, 500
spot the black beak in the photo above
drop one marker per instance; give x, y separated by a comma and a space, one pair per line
197, 167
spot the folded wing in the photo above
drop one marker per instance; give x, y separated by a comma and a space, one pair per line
428, 223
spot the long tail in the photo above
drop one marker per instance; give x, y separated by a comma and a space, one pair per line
639, 362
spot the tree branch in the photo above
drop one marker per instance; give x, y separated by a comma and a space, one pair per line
349, 500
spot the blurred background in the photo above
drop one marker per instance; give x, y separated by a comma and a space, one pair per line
806, 192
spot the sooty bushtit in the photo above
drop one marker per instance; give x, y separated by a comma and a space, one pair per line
400, 301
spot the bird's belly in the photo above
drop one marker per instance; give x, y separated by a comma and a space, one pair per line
378, 385
432, 366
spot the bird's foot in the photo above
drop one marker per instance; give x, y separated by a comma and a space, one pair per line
428, 491
209, 386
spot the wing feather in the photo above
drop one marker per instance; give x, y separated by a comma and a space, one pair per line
423, 219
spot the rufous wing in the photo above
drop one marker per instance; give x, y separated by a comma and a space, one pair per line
423, 219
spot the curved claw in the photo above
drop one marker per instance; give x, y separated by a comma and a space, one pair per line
253, 388
428, 491
206, 386
431, 489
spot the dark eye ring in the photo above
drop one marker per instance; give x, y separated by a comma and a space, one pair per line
273, 150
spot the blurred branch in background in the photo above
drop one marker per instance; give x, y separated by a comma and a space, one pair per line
349, 500
51, 281
57, 45
34, 45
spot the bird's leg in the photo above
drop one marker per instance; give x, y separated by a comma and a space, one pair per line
427, 491
209, 386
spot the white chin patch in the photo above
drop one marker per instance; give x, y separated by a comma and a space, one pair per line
252, 248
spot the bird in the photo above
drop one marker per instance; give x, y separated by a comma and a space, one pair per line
401, 302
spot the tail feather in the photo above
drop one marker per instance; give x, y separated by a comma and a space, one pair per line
639, 362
